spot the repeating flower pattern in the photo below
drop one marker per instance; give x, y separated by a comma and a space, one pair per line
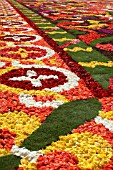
37, 76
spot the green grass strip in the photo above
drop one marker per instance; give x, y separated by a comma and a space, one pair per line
9, 162
77, 32
101, 40
84, 56
101, 74
61, 122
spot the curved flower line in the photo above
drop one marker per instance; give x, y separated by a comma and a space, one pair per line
49, 51
10, 23
22, 29
72, 78
32, 156
12, 15
18, 37
30, 102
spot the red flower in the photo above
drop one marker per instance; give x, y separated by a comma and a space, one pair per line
107, 47
58, 160
111, 83
88, 38
6, 139
94, 128
20, 169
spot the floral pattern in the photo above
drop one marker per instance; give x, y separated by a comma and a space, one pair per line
38, 75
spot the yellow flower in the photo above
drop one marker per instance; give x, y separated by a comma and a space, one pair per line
20, 123
93, 64
26, 165
89, 148
108, 115
4, 152
75, 49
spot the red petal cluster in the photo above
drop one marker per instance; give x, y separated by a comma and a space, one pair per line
88, 38
107, 103
58, 160
94, 128
111, 83
6, 139
107, 47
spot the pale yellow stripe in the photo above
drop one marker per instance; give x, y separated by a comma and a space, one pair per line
75, 49
93, 64
57, 32
41, 23
48, 27
25, 60
63, 39
107, 115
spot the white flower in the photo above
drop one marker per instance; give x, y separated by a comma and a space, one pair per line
25, 153
107, 123
72, 78
2, 64
29, 102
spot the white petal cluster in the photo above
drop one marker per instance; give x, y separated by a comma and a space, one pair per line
72, 78
2, 64
107, 123
30, 102
18, 38
32, 156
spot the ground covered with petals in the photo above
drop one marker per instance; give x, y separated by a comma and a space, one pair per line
56, 85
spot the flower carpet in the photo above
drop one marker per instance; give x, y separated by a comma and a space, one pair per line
56, 85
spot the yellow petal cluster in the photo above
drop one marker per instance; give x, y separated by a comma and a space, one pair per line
92, 150
48, 27
93, 64
4, 152
107, 115
63, 39
20, 123
26, 165
53, 61
75, 49
57, 32
18, 91
41, 23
